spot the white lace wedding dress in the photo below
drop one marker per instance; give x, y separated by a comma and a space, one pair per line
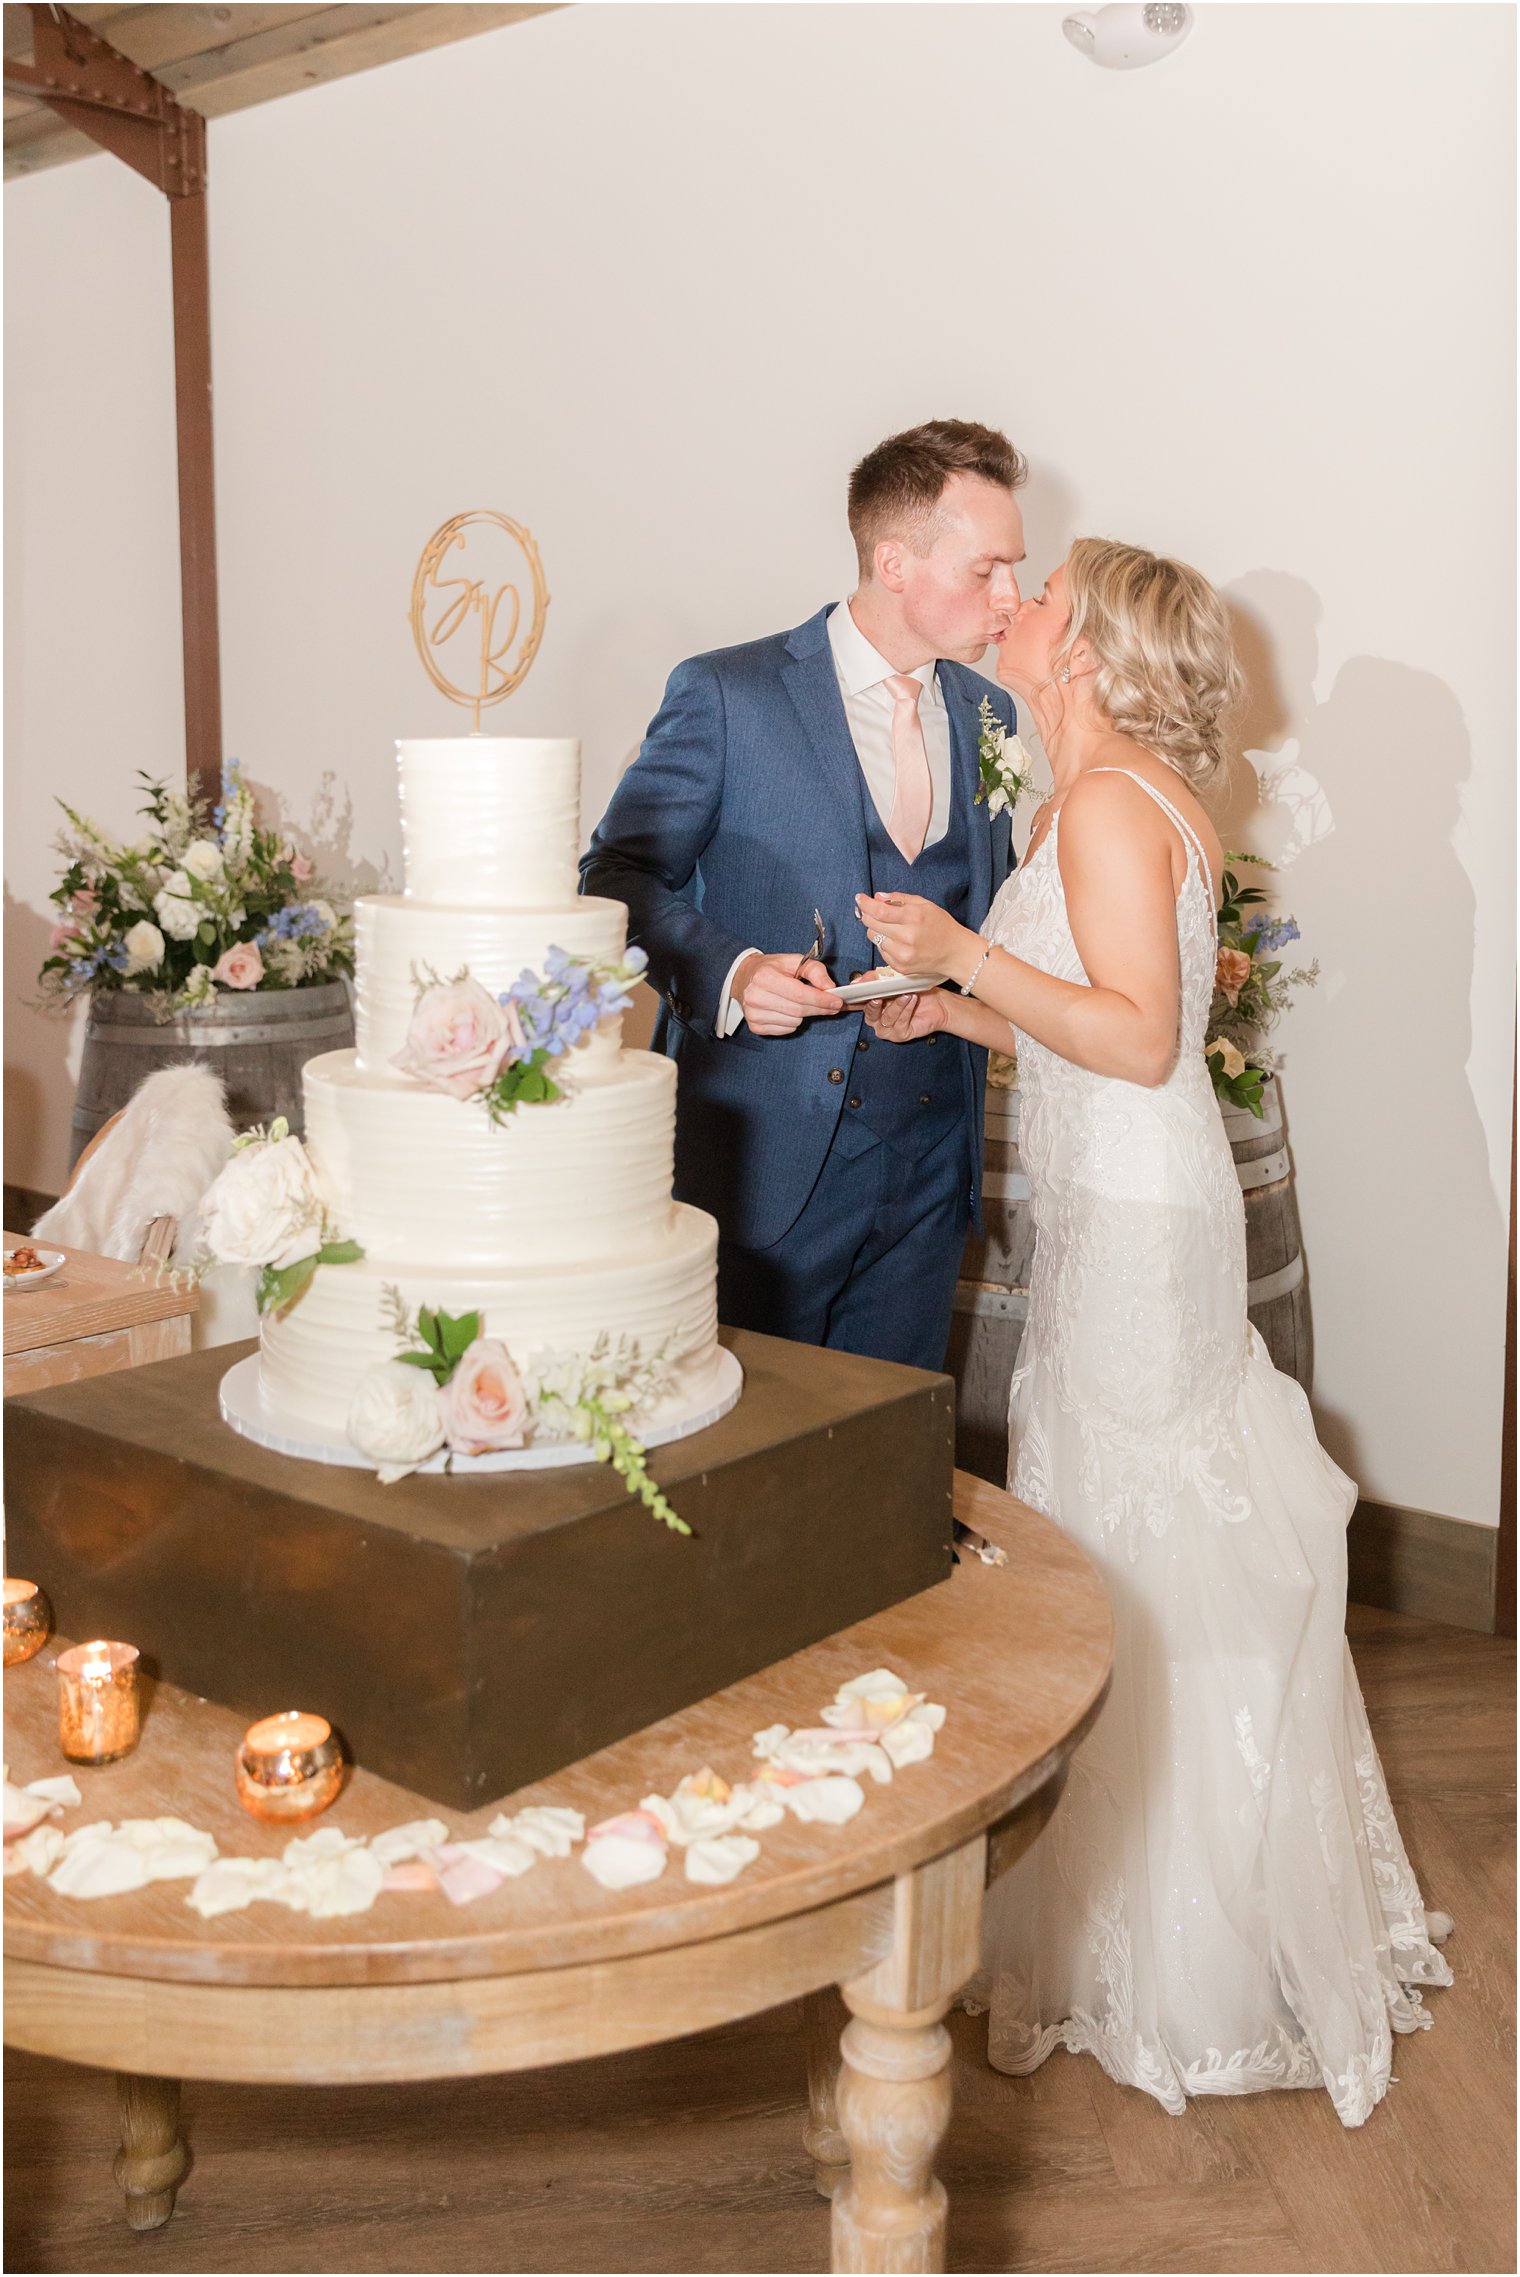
1222, 1902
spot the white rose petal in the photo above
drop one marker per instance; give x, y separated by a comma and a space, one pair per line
545, 1827
43, 1849
394, 1418
326, 912
620, 1862
719, 1857
203, 860
399, 1843
908, 1742
179, 919
265, 1207
828, 1802
144, 945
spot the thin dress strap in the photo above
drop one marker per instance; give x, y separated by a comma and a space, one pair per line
1161, 799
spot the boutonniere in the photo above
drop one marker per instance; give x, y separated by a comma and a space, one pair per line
1007, 770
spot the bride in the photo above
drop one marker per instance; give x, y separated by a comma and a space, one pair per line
1222, 1901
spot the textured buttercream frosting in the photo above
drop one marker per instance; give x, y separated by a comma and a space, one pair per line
418, 1177
398, 942
557, 1225
661, 1291
491, 821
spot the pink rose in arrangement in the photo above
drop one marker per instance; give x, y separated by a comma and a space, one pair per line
241, 967
301, 869
1231, 972
85, 902
483, 1405
459, 1037
66, 929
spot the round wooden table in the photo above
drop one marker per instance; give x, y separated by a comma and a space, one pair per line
552, 1968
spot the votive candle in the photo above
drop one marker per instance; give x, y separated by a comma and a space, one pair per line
289, 1766
98, 1718
28, 1618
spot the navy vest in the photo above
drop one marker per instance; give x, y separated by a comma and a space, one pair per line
910, 1095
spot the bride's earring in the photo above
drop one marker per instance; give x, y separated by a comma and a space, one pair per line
1065, 672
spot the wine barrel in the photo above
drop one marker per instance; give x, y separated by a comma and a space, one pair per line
1277, 1296
257, 1044
992, 1296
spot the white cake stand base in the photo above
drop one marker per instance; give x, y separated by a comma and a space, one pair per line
246, 1409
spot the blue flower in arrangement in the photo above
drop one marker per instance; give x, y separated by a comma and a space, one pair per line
301, 921
111, 958
1266, 935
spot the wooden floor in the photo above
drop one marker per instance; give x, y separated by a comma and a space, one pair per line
689, 2157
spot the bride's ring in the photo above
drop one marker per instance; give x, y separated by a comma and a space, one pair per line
880, 943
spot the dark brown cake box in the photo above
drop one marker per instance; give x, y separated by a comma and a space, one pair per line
468, 1635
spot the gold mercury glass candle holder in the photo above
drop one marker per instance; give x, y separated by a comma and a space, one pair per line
289, 1766
28, 1618
98, 1713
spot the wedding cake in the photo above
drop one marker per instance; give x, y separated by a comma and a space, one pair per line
488, 1153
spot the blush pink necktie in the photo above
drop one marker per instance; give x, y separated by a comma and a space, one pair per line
913, 799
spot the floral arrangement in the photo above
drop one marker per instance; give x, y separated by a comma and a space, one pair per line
203, 901
1251, 990
1006, 769
265, 1209
497, 1049
450, 1386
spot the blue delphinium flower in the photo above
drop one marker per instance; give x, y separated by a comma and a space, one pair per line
1266, 935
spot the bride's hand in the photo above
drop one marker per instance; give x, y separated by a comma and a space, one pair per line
904, 1019
915, 936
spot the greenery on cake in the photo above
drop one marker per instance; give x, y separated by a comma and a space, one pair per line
498, 1050
450, 1386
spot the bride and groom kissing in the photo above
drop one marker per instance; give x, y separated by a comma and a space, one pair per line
1222, 1902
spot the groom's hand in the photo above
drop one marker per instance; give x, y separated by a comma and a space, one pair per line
779, 992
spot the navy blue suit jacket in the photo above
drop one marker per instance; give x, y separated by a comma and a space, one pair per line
742, 812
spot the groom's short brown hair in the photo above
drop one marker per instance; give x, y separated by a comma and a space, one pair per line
896, 487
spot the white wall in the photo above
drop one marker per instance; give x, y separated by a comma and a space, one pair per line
651, 278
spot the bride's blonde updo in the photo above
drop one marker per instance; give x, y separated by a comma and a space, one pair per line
1165, 670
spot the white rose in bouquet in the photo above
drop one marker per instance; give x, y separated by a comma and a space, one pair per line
180, 919
266, 1207
204, 860
144, 945
394, 1418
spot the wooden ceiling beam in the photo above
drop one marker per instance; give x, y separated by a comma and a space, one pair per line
217, 60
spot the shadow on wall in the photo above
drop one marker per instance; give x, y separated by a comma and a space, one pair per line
325, 834
1381, 762
39, 1079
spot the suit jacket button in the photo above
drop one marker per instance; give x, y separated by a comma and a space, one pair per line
852, 1102
927, 1040
836, 1075
864, 1044
924, 1099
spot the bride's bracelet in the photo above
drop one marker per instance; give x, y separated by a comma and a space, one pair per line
968, 985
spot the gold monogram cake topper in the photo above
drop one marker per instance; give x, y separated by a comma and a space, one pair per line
487, 540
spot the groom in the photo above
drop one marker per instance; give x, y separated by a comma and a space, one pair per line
788, 775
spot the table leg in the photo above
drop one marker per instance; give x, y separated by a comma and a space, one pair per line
153, 2160
894, 2087
824, 2017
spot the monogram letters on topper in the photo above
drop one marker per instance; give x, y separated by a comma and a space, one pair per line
489, 602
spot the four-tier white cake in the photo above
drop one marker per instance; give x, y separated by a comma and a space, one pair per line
556, 1225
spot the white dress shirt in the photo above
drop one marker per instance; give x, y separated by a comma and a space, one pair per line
863, 672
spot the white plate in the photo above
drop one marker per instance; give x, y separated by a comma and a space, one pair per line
887, 983
52, 1260
244, 1406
